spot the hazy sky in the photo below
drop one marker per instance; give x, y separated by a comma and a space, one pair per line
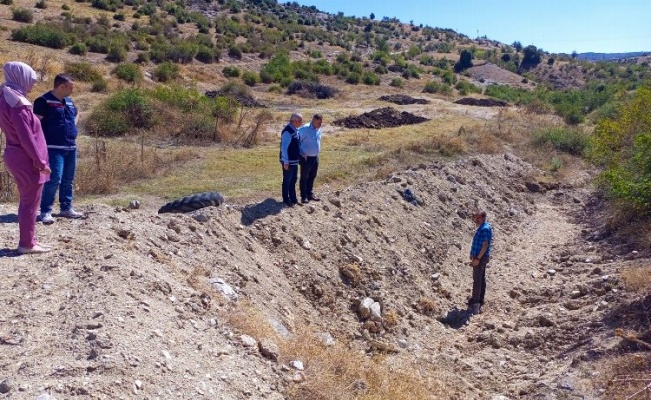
557, 26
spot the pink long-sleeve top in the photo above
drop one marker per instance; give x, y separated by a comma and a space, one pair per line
23, 133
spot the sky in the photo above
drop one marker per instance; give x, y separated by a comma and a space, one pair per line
556, 26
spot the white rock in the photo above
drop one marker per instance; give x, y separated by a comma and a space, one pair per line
224, 288
326, 338
45, 396
166, 354
365, 307
436, 276
248, 341
134, 204
307, 245
551, 271
376, 312
402, 343
138, 384
296, 364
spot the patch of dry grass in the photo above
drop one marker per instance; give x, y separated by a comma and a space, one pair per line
338, 372
637, 278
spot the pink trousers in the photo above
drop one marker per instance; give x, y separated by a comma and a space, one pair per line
30, 188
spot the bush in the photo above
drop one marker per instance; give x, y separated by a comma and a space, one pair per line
369, 78
99, 85
235, 52
166, 72
83, 72
353, 78
250, 78
436, 87
119, 16
143, 58
42, 35
65, 7
129, 72
311, 90
117, 53
78, 48
7, 2
622, 146
397, 82
41, 4
121, 113
206, 55
571, 141
22, 15
465, 87
232, 72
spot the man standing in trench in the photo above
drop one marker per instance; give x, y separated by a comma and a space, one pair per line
480, 256
310, 139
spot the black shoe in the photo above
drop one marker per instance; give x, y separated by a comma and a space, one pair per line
305, 200
312, 198
288, 204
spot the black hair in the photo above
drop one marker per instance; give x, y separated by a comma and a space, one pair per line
62, 79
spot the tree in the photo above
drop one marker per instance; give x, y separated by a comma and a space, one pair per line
465, 61
517, 46
372, 16
530, 57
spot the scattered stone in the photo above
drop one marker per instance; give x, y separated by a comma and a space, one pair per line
376, 312
126, 234
565, 385
335, 202
201, 218
279, 327
551, 272
307, 245
6, 386
533, 186
298, 377
138, 384
402, 343
134, 204
224, 288
269, 349
166, 354
296, 364
248, 341
326, 338
365, 307
45, 396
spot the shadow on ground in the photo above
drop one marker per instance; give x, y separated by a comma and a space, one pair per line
252, 213
456, 318
9, 219
6, 252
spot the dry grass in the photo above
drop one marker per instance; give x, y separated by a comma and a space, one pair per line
339, 372
637, 278
630, 377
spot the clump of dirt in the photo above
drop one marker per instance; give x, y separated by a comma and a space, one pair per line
387, 117
469, 101
243, 98
403, 99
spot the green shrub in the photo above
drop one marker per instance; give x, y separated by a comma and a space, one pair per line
397, 82
436, 87
250, 78
232, 72
143, 58
22, 15
235, 52
98, 44
83, 72
622, 146
353, 78
465, 87
99, 86
42, 35
65, 7
311, 90
206, 55
78, 48
41, 4
116, 53
121, 113
166, 72
571, 141
119, 16
370, 78
275, 89
129, 72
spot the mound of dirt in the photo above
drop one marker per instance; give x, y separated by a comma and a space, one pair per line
245, 99
403, 99
469, 101
387, 117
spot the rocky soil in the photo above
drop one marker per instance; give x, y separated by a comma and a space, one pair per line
132, 304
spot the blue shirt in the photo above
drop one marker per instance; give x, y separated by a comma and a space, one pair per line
310, 140
484, 233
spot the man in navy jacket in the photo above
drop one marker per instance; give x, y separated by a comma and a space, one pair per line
59, 116
290, 155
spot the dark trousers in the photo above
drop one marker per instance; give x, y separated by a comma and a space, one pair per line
309, 169
290, 176
479, 281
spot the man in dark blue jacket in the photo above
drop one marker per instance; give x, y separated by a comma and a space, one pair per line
290, 155
59, 116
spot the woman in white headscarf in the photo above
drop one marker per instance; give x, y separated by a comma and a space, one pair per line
26, 152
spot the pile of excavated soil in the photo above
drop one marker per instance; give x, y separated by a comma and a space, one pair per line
403, 99
469, 101
387, 117
133, 304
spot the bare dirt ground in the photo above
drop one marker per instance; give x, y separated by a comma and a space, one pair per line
129, 304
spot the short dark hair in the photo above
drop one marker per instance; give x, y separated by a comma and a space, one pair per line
481, 213
62, 79
318, 117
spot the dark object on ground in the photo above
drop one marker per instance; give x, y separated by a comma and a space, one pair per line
244, 99
409, 197
469, 101
403, 99
194, 202
311, 90
387, 117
